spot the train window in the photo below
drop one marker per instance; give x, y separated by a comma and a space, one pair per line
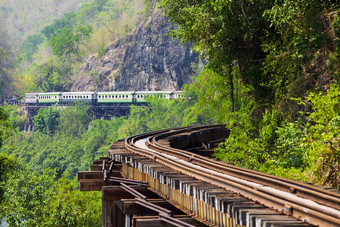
87, 96
137, 96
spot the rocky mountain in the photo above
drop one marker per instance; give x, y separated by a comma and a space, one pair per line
144, 60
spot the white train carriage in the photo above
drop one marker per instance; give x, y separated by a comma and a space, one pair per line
31, 98
49, 98
177, 94
141, 95
71, 97
108, 97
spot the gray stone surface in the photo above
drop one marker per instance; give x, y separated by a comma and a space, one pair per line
145, 60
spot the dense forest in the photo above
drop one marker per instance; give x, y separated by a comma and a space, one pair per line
271, 73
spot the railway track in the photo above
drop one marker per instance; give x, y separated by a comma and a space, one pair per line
310, 204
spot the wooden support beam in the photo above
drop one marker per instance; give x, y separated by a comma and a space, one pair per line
132, 208
94, 184
90, 175
150, 222
99, 167
115, 193
118, 193
96, 174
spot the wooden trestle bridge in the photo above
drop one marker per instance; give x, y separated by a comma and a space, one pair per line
168, 178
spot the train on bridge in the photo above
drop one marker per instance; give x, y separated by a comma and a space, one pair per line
97, 98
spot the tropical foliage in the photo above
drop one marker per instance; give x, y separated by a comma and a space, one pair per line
271, 74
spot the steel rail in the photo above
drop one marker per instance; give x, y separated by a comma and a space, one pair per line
325, 197
196, 166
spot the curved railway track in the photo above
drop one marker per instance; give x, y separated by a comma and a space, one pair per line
305, 202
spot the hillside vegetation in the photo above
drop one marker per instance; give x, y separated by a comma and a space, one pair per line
50, 54
271, 74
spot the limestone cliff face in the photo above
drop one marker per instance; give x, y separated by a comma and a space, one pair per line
145, 60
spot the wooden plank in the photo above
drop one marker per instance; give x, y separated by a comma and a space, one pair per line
94, 184
96, 174
115, 193
90, 175
132, 208
99, 167
150, 222
91, 184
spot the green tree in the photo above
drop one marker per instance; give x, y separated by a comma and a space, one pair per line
30, 46
7, 165
66, 42
26, 196
7, 63
74, 120
53, 75
46, 120
228, 34
65, 22
308, 38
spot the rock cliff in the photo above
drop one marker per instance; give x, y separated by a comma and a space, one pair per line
145, 60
